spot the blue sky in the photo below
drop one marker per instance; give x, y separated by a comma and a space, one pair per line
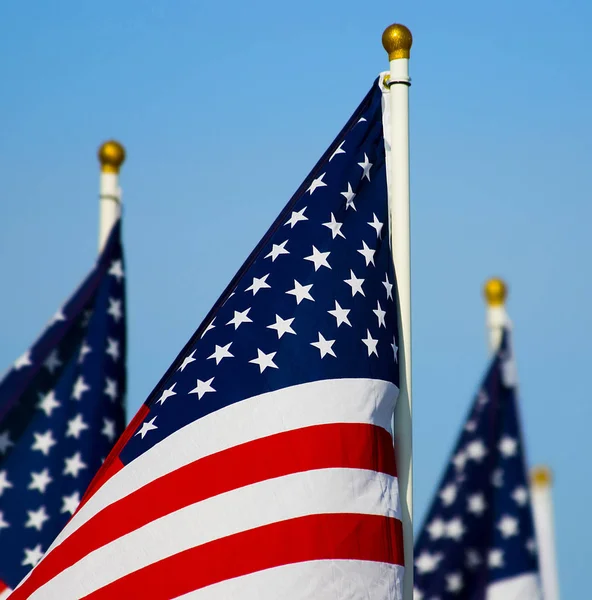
224, 108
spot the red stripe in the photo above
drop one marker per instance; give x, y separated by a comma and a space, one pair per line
316, 537
340, 445
3, 586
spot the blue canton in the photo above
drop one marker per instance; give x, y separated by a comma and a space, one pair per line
61, 410
314, 301
479, 529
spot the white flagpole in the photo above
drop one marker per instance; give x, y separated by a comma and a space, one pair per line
397, 41
541, 482
111, 156
496, 292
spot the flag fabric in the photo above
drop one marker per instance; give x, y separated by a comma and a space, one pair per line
61, 411
478, 540
262, 465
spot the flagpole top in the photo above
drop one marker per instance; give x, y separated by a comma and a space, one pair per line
397, 41
541, 476
495, 291
111, 156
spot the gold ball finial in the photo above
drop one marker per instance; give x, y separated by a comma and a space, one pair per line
541, 476
397, 40
111, 156
495, 292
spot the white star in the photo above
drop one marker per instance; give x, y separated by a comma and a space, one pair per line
113, 348
108, 429
23, 361
455, 529
202, 387
282, 326
221, 352
74, 465
531, 546
79, 388
340, 314
146, 427
5, 441
59, 316
319, 259
366, 166
76, 426
476, 450
32, 556
188, 360
240, 318
43, 442
362, 120
472, 558
3, 524
277, 250
395, 348
508, 526
84, 350
427, 563
115, 309
259, 283
211, 324
37, 518
417, 594
508, 446
302, 292
4, 483
70, 503
355, 284
482, 398
495, 559
497, 479
520, 496
349, 196
470, 426
367, 253
316, 183
325, 346
264, 360
380, 314
116, 270
377, 225
48, 402
338, 151
436, 529
460, 460
454, 583
52, 362
389, 287
370, 343
296, 217
477, 504
448, 494
111, 389
167, 393
335, 227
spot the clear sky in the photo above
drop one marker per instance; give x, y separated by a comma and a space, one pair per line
225, 106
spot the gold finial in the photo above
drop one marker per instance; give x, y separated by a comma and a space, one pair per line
111, 156
541, 476
397, 40
495, 292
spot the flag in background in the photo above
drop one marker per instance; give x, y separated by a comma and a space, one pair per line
262, 465
61, 410
478, 539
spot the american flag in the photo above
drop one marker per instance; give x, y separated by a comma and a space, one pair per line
61, 411
262, 465
478, 540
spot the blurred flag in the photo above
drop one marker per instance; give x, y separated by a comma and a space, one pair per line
478, 540
262, 465
61, 410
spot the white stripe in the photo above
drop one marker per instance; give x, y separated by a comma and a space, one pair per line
315, 580
317, 403
5, 593
326, 491
524, 587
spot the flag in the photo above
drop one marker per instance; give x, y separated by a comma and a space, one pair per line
262, 465
61, 411
478, 539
